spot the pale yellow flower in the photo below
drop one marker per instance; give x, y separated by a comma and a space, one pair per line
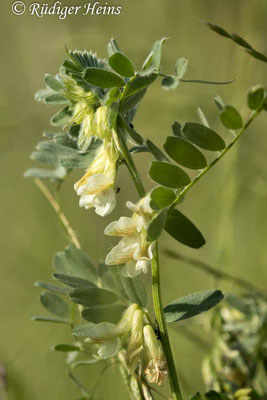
96, 186
132, 250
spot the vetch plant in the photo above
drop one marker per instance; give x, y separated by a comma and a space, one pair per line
105, 304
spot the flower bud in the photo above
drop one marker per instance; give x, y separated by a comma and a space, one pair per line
155, 361
135, 346
125, 323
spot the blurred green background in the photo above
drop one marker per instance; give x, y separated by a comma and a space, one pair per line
228, 205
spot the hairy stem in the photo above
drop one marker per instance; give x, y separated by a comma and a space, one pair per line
158, 308
63, 219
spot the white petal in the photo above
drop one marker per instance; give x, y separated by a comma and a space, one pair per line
96, 183
123, 227
124, 251
105, 331
142, 266
109, 349
87, 201
104, 202
131, 206
145, 205
150, 250
129, 270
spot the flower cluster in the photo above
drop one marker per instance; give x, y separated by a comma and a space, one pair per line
96, 186
142, 346
133, 249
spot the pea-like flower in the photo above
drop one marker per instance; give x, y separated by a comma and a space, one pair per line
110, 337
96, 187
154, 359
133, 250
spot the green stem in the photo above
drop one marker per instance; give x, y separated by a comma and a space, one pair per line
165, 341
222, 153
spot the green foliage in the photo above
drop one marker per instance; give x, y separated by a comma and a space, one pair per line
55, 175
139, 83
256, 97
102, 78
76, 263
184, 153
168, 175
192, 305
43, 318
203, 136
183, 230
62, 151
156, 226
238, 40
121, 64
90, 296
73, 281
161, 197
231, 118
55, 304
65, 348
104, 313
62, 117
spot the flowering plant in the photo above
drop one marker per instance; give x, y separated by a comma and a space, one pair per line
105, 304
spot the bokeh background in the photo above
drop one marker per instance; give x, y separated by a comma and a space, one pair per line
228, 205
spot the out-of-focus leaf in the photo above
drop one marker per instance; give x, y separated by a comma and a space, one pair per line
168, 175
43, 318
121, 64
57, 174
75, 262
52, 288
181, 67
156, 226
161, 197
73, 281
184, 153
231, 118
170, 82
203, 136
55, 304
82, 389
219, 102
192, 305
80, 363
183, 230
66, 348
82, 331
177, 129
109, 349
102, 78
255, 97
107, 313
92, 296
132, 288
